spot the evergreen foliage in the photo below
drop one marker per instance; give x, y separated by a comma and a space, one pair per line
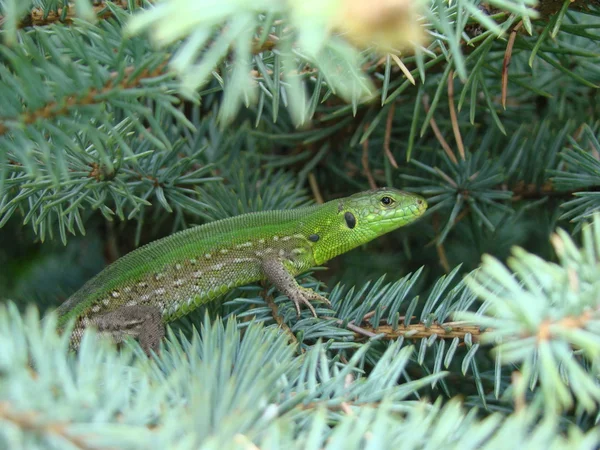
122, 122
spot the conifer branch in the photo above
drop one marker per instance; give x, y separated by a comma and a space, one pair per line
55, 109
33, 422
449, 330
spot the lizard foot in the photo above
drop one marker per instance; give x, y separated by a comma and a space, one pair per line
279, 275
303, 296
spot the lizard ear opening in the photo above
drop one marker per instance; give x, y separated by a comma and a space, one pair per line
350, 219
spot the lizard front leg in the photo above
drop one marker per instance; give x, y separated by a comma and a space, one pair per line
279, 276
143, 322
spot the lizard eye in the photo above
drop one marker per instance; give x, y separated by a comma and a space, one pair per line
387, 201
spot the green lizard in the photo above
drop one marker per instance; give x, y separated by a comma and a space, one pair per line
159, 282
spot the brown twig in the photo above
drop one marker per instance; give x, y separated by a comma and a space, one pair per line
279, 320
388, 135
438, 134
522, 191
441, 251
544, 331
548, 8
37, 18
519, 397
453, 117
268, 45
353, 327
346, 408
446, 177
449, 330
34, 422
439, 247
341, 407
365, 163
111, 249
506, 62
314, 187
403, 68
357, 329
370, 314
55, 109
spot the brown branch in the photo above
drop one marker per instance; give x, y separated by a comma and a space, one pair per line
441, 251
449, 330
37, 18
279, 320
34, 422
545, 334
438, 133
93, 96
453, 118
523, 191
519, 398
314, 187
365, 163
341, 407
355, 328
439, 247
388, 134
548, 8
446, 178
506, 62
266, 46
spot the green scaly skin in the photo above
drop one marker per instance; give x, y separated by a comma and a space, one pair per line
168, 278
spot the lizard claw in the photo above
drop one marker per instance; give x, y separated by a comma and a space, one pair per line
303, 296
275, 271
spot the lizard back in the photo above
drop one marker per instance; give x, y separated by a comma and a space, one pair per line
194, 266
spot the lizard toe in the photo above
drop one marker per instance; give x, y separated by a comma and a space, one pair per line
302, 298
312, 295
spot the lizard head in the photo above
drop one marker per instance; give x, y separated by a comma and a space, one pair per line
362, 217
